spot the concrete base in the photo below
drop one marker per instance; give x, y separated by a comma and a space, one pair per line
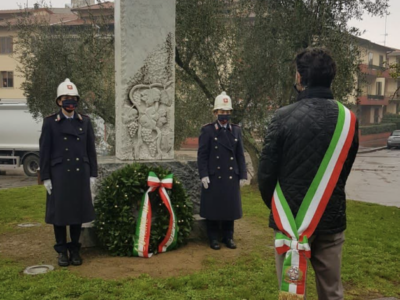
199, 230
88, 237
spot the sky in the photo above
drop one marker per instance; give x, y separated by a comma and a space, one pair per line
374, 27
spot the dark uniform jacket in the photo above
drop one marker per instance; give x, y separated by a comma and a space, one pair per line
68, 158
297, 140
221, 158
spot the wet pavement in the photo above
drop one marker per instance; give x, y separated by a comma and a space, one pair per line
375, 178
15, 177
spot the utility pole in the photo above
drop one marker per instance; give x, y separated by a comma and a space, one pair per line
384, 41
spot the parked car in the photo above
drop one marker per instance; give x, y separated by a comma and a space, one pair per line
394, 139
19, 137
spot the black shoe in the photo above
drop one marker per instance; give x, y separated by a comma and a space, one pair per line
75, 258
63, 259
215, 245
229, 243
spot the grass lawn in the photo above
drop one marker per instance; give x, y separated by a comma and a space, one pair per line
371, 263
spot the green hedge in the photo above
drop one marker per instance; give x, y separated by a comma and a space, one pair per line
379, 128
392, 118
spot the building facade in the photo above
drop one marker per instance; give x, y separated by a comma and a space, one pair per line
11, 78
377, 88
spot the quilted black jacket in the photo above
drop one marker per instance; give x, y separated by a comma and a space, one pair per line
295, 144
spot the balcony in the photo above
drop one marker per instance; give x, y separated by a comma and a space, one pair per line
375, 71
376, 97
373, 100
378, 68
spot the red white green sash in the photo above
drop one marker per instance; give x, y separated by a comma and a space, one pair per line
295, 232
143, 225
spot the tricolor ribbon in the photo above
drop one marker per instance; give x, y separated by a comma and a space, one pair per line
295, 232
143, 225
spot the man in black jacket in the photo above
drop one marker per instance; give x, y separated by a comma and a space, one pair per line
296, 143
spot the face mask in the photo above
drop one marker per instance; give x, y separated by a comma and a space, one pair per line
69, 105
224, 118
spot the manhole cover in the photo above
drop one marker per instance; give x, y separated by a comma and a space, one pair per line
25, 225
40, 269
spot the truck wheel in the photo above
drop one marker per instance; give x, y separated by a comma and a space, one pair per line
31, 164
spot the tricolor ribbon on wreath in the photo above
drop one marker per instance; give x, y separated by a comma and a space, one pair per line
143, 225
294, 233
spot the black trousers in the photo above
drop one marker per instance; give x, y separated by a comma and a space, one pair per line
60, 233
214, 227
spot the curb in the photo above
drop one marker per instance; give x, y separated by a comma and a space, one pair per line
371, 150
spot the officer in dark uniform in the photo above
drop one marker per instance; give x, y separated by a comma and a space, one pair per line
68, 167
222, 170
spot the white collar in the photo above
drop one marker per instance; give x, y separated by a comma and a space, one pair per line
68, 117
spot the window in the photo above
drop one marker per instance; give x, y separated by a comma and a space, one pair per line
7, 79
381, 60
370, 58
379, 88
6, 45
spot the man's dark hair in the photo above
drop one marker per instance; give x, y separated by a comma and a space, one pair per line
316, 67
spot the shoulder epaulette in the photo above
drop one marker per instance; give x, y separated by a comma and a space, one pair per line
51, 115
56, 117
207, 124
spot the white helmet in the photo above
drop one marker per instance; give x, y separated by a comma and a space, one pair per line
223, 101
67, 88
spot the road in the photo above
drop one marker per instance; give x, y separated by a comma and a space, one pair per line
15, 177
375, 178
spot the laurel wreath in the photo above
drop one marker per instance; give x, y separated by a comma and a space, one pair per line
117, 206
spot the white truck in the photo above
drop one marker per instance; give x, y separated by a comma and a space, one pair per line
19, 137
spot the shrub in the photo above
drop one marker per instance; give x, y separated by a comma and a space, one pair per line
378, 128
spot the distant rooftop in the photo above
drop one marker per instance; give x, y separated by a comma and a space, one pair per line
103, 5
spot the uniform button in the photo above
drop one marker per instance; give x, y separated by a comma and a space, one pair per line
77, 169
230, 168
80, 129
66, 149
77, 159
232, 158
65, 138
68, 159
217, 157
216, 147
235, 140
218, 168
68, 170
230, 177
216, 139
77, 139
219, 177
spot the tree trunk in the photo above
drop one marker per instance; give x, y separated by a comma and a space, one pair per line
252, 149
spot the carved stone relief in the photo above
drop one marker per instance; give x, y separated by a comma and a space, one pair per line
148, 112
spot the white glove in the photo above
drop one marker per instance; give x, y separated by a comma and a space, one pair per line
205, 181
93, 181
242, 182
47, 184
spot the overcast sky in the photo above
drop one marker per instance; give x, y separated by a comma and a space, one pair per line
374, 27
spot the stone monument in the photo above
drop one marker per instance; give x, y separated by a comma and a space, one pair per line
145, 96
145, 79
